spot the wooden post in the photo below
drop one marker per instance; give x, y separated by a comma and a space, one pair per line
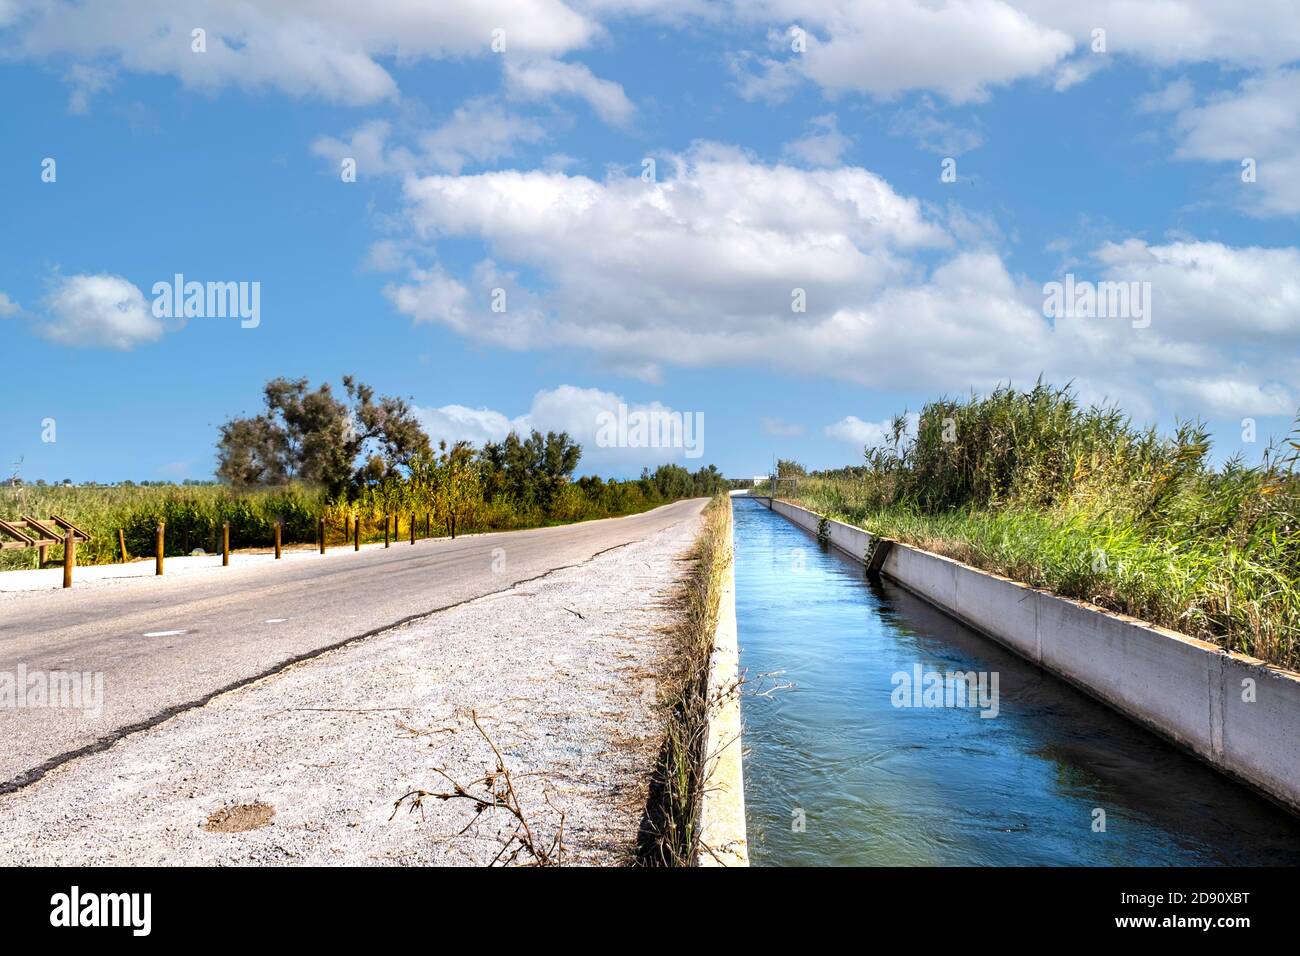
121, 544
225, 544
385, 531
158, 549
426, 525
278, 529
356, 534
69, 557
41, 555
412, 527
322, 535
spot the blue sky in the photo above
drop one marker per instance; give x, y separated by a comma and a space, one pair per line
775, 169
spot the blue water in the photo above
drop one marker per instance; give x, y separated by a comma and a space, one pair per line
836, 774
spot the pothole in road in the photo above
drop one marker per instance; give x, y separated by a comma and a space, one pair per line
240, 818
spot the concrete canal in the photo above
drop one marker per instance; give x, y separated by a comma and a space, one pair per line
854, 763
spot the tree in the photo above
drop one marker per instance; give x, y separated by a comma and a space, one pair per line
314, 437
785, 468
531, 470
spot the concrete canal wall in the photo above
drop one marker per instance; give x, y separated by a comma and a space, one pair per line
1237, 713
722, 806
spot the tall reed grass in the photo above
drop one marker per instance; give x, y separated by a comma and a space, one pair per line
1031, 485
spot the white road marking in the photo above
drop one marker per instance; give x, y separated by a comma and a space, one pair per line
275, 620
162, 633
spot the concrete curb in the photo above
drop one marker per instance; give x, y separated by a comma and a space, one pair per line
1191, 692
722, 805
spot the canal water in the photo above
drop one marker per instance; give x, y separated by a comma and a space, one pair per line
836, 773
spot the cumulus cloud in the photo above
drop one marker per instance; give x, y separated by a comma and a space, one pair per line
864, 434
478, 132
98, 311
8, 306
567, 408
538, 79
698, 269
324, 48
822, 145
1260, 120
957, 48
1232, 396
1206, 291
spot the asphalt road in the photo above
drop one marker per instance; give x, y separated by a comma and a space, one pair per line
168, 644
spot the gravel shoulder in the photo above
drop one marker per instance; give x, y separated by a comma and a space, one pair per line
561, 672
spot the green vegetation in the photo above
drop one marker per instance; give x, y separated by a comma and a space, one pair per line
1080, 501
670, 832
310, 457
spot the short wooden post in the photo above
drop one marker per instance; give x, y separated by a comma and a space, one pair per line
412, 527
356, 534
322, 535
41, 555
426, 525
69, 557
225, 544
279, 526
385, 531
121, 544
158, 549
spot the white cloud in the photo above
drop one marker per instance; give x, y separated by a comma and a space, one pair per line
697, 270
961, 49
1232, 396
855, 431
1208, 291
8, 306
538, 79
1173, 96
566, 408
779, 428
433, 296
1259, 120
86, 81
934, 133
958, 48
324, 48
453, 423
479, 131
103, 311
1262, 33
822, 145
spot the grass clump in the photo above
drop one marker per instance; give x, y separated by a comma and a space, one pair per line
670, 830
1034, 486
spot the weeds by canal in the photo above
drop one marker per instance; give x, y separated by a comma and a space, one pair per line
670, 829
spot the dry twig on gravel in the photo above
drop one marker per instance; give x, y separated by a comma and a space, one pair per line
496, 791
